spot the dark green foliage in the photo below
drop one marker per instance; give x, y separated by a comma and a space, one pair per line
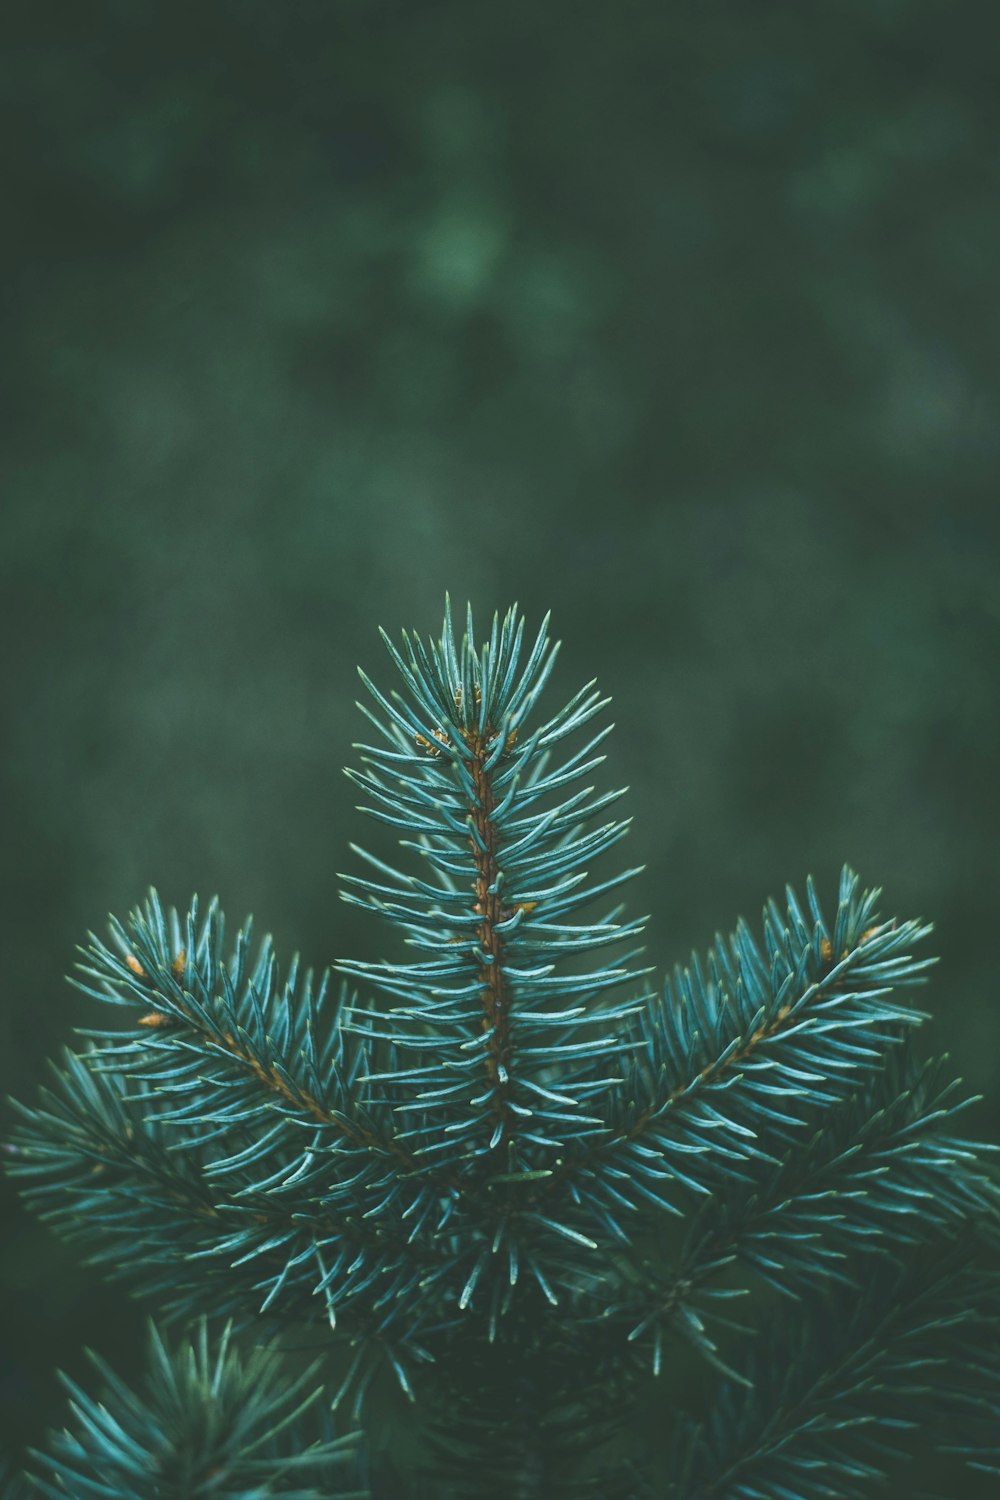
520, 1183
207, 1425
828, 1396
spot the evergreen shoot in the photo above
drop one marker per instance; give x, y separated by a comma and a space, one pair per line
720, 1239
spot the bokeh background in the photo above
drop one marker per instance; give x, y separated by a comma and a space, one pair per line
681, 321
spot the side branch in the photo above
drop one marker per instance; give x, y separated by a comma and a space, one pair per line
277, 1081
761, 1043
230, 1025
883, 1162
98, 1170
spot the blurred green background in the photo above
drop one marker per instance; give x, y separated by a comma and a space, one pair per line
679, 320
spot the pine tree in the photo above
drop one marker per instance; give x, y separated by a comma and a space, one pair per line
719, 1240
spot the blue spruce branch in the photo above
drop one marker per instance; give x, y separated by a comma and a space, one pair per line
508, 1175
